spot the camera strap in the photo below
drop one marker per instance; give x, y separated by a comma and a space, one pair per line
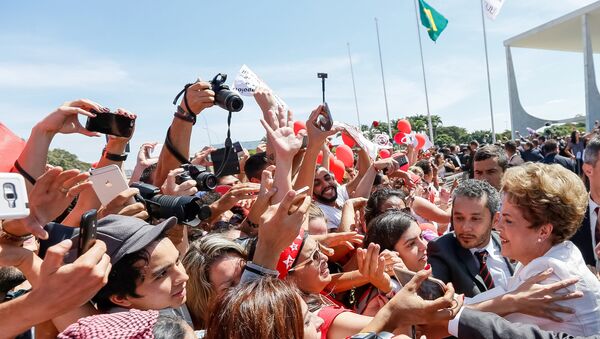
169, 145
185, 101
228, 147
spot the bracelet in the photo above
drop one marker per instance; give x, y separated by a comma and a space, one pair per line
14, 238
24, 173
183, 115
263, 271
115, 157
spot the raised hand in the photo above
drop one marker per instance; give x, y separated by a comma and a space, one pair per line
201, 157
372, 266
170, 186
317, 137
65, 118
199, 97
123, 204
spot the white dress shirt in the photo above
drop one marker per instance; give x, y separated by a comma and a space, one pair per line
567, 262
495, 262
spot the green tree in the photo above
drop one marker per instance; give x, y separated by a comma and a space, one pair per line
444, 139
504, 136
459, 134
66, 160
482, 136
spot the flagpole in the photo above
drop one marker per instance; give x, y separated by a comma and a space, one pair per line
487, 67
387, 112
353, 85
424, 78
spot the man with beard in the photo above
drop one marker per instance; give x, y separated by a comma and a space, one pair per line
330, 196
470, 256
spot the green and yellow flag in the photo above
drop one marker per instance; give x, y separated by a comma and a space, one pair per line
432, 20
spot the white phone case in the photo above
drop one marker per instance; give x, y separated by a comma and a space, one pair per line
14, 203
108, 182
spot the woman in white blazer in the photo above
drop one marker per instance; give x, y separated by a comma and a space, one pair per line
543, 205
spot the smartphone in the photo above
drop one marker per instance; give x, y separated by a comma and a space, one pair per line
13, 196
430, 289
401, 160
324, 120
87, 231
110, 123
108, 182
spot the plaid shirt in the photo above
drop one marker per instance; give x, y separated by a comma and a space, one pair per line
132, 324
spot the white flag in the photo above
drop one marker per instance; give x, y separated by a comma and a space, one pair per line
246, 82
492, 8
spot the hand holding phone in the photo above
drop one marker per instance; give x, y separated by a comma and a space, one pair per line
430, 289
111, 124
324, 120
87, 231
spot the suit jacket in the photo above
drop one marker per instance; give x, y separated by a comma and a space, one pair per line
532, 155
474, 324
565, 162
450, 262
583, 240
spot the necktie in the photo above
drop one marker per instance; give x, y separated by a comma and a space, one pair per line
597, 229
484, 273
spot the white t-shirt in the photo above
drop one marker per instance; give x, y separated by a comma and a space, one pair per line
333, 214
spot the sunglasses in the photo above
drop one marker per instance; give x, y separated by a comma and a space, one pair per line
312, 258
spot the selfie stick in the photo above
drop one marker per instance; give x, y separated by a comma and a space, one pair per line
322, 76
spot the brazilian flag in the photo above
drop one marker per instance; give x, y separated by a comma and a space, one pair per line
432, 20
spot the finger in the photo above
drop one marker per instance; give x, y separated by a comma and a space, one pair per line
380, 267
85, 104
555, 308
82, 130
314, 114
417, 280
272, 119
132, 209
94, 255
305, 205
104, 267
77, 189
75, 180
368, 258
267, 127
561, 284
54, 256
348, 245
64, 176
199, 86
76, 110
47, 179
186, 185
290, 118
142, 215
281, 117
122, 199
540, 276
360, 257
568, 296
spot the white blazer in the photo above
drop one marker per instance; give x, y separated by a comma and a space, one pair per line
567, 262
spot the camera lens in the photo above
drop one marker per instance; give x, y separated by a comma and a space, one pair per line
206, 181
229, 100
184, 208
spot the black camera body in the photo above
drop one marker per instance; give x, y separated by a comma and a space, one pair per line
225, 97
160, 206
205, 180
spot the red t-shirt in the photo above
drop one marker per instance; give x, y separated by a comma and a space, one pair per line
328, 314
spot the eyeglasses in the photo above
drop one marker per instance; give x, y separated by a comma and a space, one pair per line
312, 258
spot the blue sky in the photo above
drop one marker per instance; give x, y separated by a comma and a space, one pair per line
137, 55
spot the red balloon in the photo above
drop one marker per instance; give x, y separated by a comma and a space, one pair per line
331, 162
398, 137
420, 141
298, 126
338, 170
320, 158
404, 126
404, 167
348, 140
375, 123
345, 154
384, 154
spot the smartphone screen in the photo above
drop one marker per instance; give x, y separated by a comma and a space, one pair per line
430, 289
87, 231
111, 124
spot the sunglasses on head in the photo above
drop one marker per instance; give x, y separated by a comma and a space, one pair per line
314, 256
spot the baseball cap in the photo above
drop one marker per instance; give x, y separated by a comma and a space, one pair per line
124, 235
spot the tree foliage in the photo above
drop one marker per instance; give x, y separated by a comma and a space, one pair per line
66, 160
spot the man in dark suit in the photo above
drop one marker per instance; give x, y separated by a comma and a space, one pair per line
474, 324
551, 156
470, 256
588, 235
530, 153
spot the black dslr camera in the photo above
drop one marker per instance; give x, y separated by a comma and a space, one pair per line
160, 206
205, 180
224, 97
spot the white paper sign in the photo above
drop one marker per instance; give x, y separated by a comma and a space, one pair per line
246, 82
360, 139
492, 8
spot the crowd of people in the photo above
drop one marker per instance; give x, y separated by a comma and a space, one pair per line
290, 248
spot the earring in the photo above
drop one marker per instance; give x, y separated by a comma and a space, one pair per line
539, 239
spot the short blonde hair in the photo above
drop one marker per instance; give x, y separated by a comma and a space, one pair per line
547, 194
198, 260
